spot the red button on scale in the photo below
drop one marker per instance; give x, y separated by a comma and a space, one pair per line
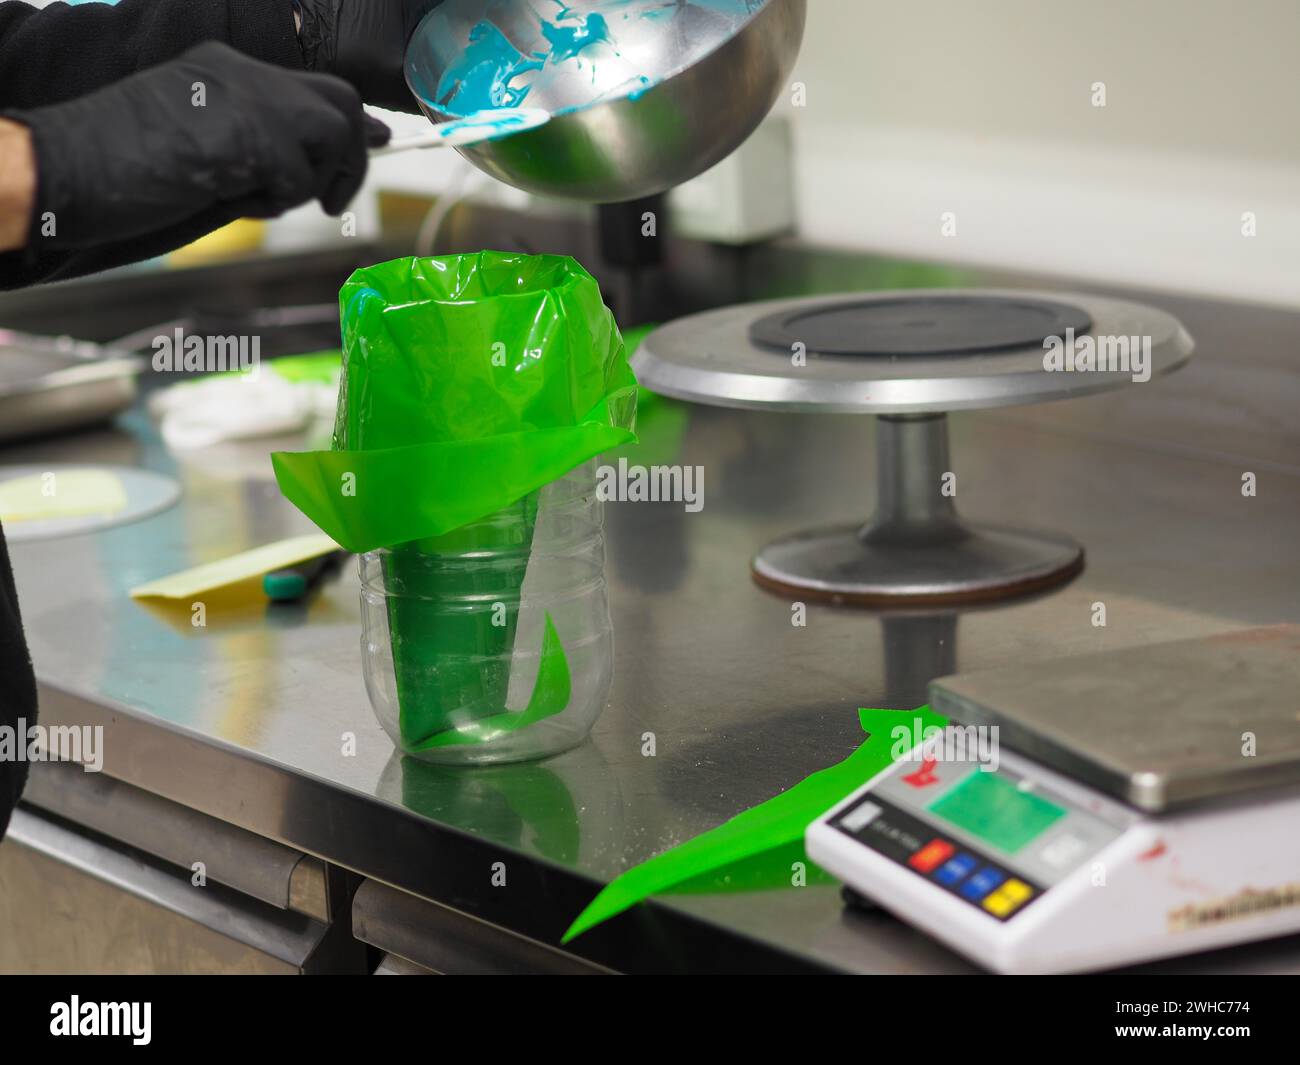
931, 856
923, 777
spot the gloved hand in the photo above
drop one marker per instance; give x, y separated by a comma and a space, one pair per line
209, 130
364, 42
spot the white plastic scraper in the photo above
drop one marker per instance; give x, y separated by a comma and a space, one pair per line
472, 129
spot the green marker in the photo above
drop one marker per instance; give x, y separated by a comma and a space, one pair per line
291, 584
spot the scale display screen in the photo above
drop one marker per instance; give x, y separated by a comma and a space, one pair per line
993, 809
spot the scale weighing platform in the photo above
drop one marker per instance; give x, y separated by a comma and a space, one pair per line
1134, 805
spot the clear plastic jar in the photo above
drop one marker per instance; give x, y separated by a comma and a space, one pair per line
493, 643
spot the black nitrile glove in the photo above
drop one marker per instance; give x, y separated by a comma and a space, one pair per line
210, 133
364, 42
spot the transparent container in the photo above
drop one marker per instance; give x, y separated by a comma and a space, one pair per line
493, 643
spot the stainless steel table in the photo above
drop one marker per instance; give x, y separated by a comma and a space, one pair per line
260, 719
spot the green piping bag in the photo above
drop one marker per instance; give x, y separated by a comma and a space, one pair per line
756, 847
469, 382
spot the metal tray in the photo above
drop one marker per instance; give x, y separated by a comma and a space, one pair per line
50, 384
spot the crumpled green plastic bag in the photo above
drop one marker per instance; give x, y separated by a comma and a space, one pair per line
469, 382
755, 849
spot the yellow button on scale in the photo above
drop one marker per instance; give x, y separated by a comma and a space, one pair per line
1008, 898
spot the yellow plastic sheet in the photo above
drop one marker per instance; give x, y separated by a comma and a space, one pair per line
228, 571
61, 494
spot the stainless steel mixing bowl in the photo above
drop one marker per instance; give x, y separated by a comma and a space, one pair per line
679, 86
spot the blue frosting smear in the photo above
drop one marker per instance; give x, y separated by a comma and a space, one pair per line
498, 122
480, 78
491, 72
568, 40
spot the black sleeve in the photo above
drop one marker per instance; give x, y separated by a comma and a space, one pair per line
17, 689
57, 53
61, 52
19, 269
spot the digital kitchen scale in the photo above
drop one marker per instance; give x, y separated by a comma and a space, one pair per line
1139, 804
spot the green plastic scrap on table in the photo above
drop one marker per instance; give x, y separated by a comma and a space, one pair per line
311, 367
755, 848
469, 382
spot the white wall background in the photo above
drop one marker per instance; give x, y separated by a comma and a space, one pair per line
985, 109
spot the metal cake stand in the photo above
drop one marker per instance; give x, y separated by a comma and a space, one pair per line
909, 357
